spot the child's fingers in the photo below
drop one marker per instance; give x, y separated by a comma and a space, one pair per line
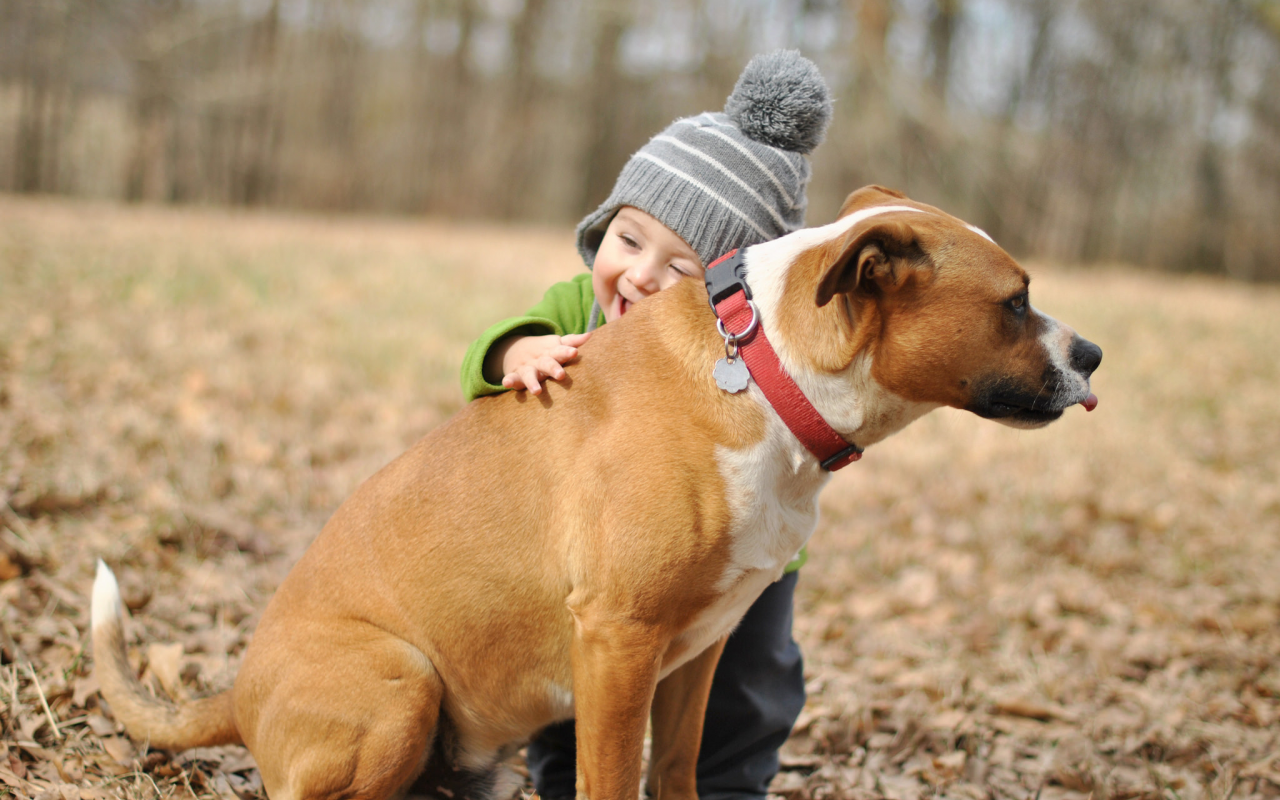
564, 354
575, 339
531, 378
523, 377
549, 365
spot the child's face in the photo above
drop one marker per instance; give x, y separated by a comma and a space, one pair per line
638, 256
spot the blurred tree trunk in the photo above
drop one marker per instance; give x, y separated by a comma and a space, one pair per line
259, 134
453, 91
29, 153
148, 175
942, 32
516, 187
861, 116
1213, 196
153, 96
603, 98
871, 79
342, 52
43, 96
422, 92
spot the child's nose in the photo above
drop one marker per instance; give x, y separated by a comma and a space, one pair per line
645, 277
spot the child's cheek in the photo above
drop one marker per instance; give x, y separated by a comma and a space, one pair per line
606, 292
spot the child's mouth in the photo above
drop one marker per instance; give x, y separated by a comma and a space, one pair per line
623, 305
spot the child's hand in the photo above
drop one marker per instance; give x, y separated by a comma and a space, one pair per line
528, 360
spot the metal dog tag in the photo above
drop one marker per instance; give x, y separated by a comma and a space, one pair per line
731, 375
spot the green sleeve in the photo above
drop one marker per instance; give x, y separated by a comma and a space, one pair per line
798, 562
563, 310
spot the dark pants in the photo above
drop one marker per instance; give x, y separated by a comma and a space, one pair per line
757, 693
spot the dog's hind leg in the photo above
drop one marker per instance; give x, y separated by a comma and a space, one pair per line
446, 779
355, 722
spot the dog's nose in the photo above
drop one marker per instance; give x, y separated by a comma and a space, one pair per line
1085, 356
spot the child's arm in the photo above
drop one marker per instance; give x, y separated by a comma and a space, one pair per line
554, 328
521, 362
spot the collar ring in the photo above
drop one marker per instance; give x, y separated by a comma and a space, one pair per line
733, 338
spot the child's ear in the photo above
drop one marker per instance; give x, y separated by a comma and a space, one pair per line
870, 259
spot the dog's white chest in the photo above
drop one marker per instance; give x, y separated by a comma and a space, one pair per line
772, 491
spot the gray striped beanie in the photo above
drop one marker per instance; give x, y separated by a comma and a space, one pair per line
731, 179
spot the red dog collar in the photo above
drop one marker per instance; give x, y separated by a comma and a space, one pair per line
731, 300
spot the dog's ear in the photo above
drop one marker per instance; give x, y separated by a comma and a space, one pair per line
868, 196
868, 259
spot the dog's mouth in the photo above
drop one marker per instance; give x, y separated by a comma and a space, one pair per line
1019, 408
1021, 415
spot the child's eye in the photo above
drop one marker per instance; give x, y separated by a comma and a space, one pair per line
680, 273
627, 240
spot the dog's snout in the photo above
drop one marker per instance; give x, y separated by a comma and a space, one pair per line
1085, 356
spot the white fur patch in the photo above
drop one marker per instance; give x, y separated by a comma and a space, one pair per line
980, 232
106, 607
561, 700
1056, 340
772, 489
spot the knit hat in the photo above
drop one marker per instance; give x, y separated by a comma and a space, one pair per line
731, 179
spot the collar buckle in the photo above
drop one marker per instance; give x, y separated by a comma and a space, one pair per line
837, 460
724, 277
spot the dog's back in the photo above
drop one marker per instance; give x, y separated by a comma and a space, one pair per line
468, 545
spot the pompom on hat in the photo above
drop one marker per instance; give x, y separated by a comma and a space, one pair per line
731, 179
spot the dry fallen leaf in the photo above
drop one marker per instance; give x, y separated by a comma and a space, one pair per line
165, 662
1031, 709
119, 748
85, 687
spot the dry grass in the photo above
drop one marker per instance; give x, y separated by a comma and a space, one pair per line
1092, 609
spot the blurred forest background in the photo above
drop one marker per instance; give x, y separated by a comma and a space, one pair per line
1074, 130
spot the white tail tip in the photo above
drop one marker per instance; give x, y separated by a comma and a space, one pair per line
106, 597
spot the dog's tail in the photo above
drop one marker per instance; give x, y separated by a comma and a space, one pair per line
166, 724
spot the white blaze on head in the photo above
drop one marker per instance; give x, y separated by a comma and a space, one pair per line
980, 232
873, 211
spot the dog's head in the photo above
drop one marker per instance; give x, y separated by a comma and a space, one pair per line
919, 309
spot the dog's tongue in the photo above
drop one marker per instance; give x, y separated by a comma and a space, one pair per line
1090, 402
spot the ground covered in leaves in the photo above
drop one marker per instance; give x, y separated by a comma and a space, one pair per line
1088, 610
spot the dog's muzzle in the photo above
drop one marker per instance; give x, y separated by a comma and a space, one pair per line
1016, 402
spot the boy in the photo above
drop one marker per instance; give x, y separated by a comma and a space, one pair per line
704, 186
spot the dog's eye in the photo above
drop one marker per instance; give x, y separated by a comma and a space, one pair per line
1017, 305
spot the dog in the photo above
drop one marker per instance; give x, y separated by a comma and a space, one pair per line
584, 553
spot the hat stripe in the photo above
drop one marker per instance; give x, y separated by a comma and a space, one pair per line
759, 164
715, 123
707, 189
728, 174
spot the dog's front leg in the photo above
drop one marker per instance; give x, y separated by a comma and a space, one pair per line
615, 667
679, 707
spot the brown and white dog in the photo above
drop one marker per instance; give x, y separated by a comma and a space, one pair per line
584, 553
